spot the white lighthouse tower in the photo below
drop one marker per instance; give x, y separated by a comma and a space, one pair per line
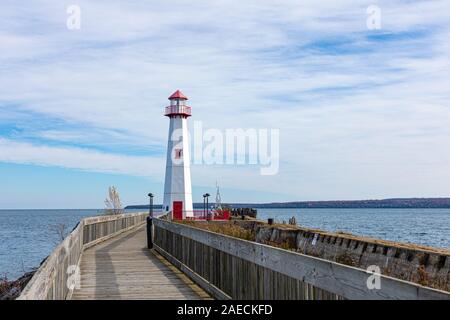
177, 186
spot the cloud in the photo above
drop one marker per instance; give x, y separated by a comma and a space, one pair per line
78, 158
343, 97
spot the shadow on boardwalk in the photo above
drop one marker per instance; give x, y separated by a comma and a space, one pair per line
123, 268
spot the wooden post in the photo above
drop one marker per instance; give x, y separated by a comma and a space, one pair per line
149, 232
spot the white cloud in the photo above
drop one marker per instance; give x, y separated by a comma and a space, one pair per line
78, 158
243, 64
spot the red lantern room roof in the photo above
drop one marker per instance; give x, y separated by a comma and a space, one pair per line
178, 106
178, 95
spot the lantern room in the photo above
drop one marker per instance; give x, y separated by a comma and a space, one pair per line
178, 106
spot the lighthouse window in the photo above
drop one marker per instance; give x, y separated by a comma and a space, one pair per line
178, 153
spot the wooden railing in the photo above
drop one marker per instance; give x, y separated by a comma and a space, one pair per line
229, 267
50, 282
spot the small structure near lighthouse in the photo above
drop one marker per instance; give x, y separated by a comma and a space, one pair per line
177, 186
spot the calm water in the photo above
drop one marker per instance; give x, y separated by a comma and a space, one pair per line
422, 226
25, 238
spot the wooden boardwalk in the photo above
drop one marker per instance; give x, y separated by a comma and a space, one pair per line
123, 268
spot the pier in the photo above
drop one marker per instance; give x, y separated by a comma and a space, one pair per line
123, 268
110, 257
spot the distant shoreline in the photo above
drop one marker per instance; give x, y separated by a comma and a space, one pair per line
394, 203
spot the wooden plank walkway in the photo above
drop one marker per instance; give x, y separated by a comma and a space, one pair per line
123, 268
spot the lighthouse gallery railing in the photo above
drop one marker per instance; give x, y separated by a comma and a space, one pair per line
185, 110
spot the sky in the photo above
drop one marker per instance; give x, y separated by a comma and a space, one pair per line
362, 113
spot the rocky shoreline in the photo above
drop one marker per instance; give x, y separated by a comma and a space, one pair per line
10, 290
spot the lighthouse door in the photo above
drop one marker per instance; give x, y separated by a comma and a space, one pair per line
178, 210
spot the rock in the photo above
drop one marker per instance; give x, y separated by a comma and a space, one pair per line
238, 212
10, 290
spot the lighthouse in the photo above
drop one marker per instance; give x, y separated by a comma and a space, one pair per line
177, 185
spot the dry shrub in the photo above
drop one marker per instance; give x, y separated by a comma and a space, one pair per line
346, 259
60, 230
228, 229
113, 203
283, 245
422, 276
4, 284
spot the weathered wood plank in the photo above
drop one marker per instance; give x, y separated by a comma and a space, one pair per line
123, 268
315, 278
50, 280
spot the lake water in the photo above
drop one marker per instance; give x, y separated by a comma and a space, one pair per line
25, 238
429, 227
